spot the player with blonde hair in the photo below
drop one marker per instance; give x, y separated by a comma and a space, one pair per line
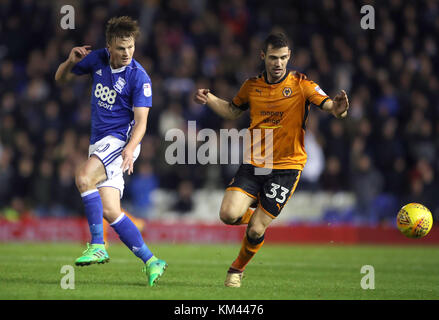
121, 99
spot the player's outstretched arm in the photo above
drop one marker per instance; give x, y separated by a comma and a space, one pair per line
221, 107
63, 73
338, 106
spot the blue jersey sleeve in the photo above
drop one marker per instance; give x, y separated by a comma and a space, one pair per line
85, 66
142, 90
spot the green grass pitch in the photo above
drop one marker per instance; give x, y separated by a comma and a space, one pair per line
197, 272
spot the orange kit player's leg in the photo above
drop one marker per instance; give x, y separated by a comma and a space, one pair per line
248, 250
106, 225
270, 204
247, 216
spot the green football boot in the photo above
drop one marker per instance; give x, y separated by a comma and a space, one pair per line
154, 269
95, 253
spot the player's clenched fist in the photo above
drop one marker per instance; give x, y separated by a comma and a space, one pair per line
78, 53
201, 96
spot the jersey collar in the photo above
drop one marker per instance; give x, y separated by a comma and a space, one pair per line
121, 69
264, 74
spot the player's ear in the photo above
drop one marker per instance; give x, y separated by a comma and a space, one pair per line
262, 55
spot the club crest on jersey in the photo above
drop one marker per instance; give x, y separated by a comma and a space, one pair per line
287, 91
120, 83
147, 90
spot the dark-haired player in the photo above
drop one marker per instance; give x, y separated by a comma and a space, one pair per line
278, 101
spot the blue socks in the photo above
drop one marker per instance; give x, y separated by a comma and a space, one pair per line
94, 213
131, 237
124, 227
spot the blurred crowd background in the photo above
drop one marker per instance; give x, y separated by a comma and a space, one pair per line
385, 152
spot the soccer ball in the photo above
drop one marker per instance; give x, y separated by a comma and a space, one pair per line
414, 220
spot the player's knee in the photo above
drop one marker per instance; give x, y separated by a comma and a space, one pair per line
227, 215
83, 181
255, 231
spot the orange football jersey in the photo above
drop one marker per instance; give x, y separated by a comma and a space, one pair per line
278, 115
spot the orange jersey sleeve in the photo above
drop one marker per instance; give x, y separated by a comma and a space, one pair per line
313, 93
241, 99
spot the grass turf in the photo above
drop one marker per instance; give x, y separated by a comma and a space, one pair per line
197, 272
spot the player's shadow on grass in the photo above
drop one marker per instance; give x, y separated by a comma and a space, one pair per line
29, 282
78, 283
185, 284
121, 283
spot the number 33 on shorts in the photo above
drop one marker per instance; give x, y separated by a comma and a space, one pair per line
276, 193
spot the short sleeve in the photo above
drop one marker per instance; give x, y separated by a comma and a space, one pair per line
142, 90
85, 66
241, 99
313, 93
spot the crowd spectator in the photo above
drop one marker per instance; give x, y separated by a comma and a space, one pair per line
139, 189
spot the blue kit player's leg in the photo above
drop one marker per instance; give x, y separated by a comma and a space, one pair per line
111, 191
86, 178
130, 235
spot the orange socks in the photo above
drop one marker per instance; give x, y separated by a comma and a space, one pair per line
249, 248
247, 215
245, 219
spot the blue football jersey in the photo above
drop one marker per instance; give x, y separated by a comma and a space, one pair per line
115, 93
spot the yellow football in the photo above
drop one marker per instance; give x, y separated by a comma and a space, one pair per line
414, 220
